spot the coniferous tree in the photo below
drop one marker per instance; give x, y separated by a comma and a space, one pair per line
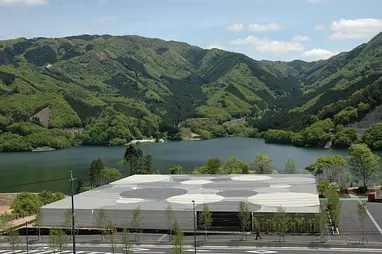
95, 171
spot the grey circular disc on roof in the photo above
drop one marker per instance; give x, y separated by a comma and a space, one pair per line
237, 193
153, 193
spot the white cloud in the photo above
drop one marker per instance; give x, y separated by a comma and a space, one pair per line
106, 18
235, 27
265, 27
318, 54
216, 45
301, 38
355, 29
27, 2
12, 36
267, 45
319, 28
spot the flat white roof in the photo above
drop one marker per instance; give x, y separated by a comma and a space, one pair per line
262, 193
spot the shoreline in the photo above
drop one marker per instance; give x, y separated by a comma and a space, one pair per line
184, 139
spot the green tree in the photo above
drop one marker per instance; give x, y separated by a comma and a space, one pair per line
46, 197
334, 205
175, 170
58, 240
362, 214
136, 221
363, 163
95, 171
205, 219
126, 245
372, 137
345, 138
322, 187
111, 237
170, 218
331, 167
26, 204
14, 239
213, 166
322, 222
244, 217
281, 221
290, 167
131, 156
177, 240
143, 165
58, 196
234, 166
68, 221
101, 221
39, 222
4, 224
79, 186
89, 187
109, 175
263, 164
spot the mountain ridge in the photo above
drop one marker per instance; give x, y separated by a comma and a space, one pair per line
143, 85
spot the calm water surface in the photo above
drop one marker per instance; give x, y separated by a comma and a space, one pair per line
19, 168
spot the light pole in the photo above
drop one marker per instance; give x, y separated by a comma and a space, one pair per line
193, 206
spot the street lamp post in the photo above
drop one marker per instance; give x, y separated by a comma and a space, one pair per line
193, 206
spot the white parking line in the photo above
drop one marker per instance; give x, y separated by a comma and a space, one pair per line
161, 238
373, 220
375, 223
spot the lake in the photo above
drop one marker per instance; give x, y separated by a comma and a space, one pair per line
27, 167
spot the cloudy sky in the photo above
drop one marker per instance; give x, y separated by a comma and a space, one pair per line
262, 29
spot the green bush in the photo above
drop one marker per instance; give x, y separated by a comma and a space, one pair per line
118, 142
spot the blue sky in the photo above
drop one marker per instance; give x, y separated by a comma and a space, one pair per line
262, 29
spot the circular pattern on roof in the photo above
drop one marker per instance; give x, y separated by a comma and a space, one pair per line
196, 182
222, 179
285, 199
198, 198
136, 179
292, 180
153, 193
237, 193
280, 186
129, 200
251, 178
270, 190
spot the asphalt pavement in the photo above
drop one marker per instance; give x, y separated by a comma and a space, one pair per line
350, 226
164, 249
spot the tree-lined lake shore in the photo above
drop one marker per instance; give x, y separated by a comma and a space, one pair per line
18, 168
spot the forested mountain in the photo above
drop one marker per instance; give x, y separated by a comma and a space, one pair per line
124, 87
343, 88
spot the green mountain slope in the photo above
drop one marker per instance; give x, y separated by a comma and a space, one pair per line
330, 86
141, 85
123, 87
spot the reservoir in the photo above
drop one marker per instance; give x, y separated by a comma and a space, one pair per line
41, 167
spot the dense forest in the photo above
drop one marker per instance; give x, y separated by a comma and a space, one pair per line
108, 90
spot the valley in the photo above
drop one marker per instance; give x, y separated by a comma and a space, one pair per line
113, 89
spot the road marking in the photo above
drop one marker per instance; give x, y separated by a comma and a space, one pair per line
140, 249
192, 250
262, 251
373, 220
153, 252
161, 238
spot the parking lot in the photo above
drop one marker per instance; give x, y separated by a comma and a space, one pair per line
350, 226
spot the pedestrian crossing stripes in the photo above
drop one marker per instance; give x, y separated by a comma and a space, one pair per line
47, 251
